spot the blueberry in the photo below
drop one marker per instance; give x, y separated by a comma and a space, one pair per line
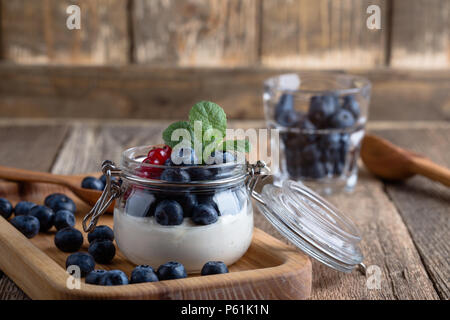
28, 225
92, 183
68, 239
52, 198
169, 213
330, 141
351, 105
184, 156
59, 201
204, 214
64, 204
101, 232
143, 273
83, 260
45, 215
285, 114
171, 270
113, 278
103, 179
314, 170
321, 108
169, 162
208, 198
175, 175
94, 276
23, 208
214, 267
6, 208
187, 201
201, 174
219, 157
342, 119
310, 154
64, 219
102, 250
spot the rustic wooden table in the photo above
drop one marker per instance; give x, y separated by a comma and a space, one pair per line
405, 226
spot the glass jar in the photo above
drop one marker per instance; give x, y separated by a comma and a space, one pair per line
321, 117
305, 219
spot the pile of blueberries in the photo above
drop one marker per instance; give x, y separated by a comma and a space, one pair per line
312, 154
31, 218
172, 205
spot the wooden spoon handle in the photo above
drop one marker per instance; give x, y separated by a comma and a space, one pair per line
15, 174
429, 169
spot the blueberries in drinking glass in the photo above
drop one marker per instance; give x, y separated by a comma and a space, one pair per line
45, 215
6, 208
68, 239
321, 108
342, 119
64, 219
330, 141
214, 267
23, 208
27, 225
94, 276
92, 183
143, 273
175, 175
102, 250
169, 213
351, 105
59, 201
315, 170
187, 201
285, 114
113, 278
83, 260
310, 153
101, 232
204, 214
171, 270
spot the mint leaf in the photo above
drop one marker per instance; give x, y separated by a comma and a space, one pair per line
210, 114
167, 134
236, 145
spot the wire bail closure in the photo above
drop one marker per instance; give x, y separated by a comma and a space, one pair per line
111, 192
256, 172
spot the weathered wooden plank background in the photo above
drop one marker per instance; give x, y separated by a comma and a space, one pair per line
147, 55
229, 33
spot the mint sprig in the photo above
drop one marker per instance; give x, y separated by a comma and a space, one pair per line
213, 122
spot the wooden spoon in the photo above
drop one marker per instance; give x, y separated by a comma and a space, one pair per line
72, 182
390, 162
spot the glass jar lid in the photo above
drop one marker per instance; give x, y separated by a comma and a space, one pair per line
312, 224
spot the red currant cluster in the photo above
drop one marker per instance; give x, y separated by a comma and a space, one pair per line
156, 156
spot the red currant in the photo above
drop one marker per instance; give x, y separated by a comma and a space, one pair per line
151, 172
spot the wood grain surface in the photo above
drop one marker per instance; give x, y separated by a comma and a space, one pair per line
35, 32
404, 229
168, 93
425, 205
321, 34
195, 33
420, 34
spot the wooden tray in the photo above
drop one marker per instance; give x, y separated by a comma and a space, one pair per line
269, 270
